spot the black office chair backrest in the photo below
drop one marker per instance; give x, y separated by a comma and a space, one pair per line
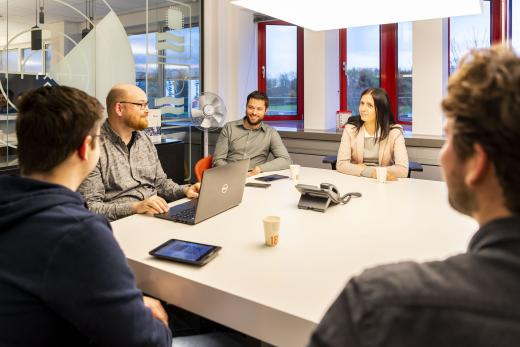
11, 170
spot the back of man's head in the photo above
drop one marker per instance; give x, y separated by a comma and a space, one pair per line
484, 102
52, 122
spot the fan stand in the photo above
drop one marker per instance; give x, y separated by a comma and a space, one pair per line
206, 141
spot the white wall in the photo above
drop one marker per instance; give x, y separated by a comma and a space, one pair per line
430, 75
230, 54
321, 79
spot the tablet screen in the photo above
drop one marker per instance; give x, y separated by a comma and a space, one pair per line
184, 250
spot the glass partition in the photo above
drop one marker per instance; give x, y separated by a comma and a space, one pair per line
167, 55
92, 47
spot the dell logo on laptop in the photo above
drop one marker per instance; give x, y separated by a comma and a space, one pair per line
225, 188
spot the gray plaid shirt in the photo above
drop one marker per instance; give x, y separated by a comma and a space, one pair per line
235, 142
123, 177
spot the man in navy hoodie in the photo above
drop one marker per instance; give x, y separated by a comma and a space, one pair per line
64, 280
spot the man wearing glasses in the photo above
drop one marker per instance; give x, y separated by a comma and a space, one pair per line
129, 178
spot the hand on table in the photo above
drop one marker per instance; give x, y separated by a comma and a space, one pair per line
152, 205
255, 171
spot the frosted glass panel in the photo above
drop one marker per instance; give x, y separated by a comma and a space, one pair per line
68, 58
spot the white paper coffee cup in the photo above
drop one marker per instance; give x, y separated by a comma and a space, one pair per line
295, 172
381, 173
271, 230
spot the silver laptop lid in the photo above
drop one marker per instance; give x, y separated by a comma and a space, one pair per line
221, 189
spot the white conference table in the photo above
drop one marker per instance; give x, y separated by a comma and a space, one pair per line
279, 294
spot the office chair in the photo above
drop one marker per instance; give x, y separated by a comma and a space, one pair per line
202, 165
10, 170
412, 165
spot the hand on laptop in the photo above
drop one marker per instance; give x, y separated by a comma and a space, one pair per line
192, 191
256, 170
153, 205
158, 311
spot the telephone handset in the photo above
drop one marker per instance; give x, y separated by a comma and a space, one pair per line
318, 199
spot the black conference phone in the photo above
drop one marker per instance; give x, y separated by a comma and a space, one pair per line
320, 198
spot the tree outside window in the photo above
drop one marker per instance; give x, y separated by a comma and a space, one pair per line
363, 64
467, 32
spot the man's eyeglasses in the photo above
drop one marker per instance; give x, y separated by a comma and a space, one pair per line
142, 105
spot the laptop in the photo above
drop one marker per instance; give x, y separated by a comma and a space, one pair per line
221, 188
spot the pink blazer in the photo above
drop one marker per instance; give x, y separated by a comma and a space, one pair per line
392, 152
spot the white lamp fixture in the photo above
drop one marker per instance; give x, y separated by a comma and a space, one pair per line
336, 14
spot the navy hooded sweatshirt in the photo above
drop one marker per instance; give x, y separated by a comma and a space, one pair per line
64, 281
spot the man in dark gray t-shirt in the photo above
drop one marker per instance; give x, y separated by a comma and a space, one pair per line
250, 138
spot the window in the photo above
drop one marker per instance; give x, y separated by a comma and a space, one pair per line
171, 72
181, 69
467, 32
280, 62
138, 44
32, 61
381, 56
10, 60
515, 25
48, 57
362, 63
369, 55
404, 72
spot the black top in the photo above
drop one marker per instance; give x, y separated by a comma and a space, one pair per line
471, 299
64, 280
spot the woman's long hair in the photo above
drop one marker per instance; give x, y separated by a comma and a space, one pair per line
384, 115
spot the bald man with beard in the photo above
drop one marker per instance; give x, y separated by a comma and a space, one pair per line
129, 178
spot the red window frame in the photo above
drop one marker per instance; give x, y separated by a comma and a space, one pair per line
496, 21
299, 68
343, 70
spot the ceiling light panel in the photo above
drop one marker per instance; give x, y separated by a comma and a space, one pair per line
336, 14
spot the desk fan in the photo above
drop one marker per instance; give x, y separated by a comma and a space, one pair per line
208, 113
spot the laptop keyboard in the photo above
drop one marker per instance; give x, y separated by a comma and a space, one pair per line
185, 215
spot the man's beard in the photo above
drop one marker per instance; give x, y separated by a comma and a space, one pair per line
251, 123
137, 123
459, 196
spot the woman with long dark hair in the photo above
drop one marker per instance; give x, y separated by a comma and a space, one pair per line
373, 139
